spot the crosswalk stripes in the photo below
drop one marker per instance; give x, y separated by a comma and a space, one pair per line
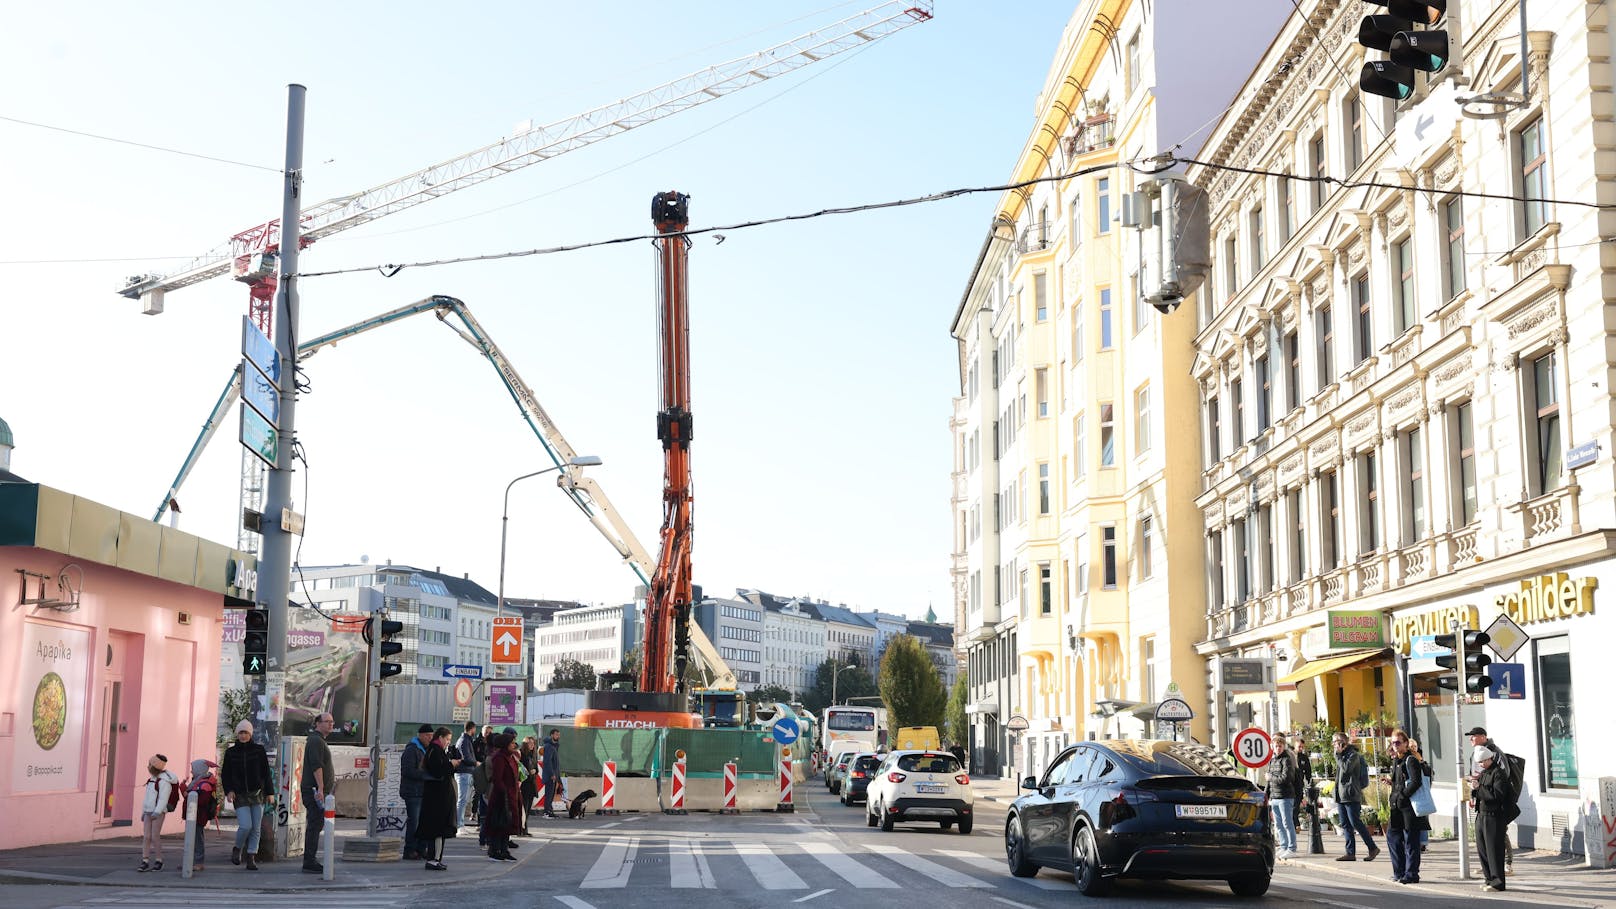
991, 864
166, 899
771, 873
615, 864
942, 874
689, 867
848, 869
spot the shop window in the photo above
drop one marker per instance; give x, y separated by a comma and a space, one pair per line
1559, 740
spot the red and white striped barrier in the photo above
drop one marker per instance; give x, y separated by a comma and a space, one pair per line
678, 788
608, 788
539, 777
729, 791
785, 805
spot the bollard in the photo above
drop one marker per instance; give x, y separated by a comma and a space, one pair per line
1316, 844
729, 791
191, 833
608, 788
785, 806
328, 840
678, 788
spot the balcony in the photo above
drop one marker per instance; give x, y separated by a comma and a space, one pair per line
1549, 516
1094, 134
1037, 237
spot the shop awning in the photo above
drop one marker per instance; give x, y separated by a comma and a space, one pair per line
1332, 664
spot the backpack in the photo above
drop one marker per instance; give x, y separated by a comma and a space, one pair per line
207, 806
1515, 771
173, 793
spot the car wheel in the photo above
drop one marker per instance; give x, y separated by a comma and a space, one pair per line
886, 819
965, 825
869, 817
1086, 863
1249, 885
847, 799
1015, 849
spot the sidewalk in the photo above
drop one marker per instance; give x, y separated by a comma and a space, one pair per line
1570, 881
112, 863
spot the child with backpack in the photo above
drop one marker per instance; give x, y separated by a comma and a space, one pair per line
206, 787
162, 796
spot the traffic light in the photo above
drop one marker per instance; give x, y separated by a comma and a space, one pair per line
1475, 662
255, 643
1409, 50
385, 647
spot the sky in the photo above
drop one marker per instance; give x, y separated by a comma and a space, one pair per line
822, 366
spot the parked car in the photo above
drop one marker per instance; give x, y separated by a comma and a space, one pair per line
920, 785
838, 769
1142, 809
858, 776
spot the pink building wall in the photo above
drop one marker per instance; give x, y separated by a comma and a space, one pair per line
128, 629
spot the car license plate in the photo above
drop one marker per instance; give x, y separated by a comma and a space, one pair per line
929, 788
1214, 811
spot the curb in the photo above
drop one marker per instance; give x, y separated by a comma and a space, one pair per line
1330, 866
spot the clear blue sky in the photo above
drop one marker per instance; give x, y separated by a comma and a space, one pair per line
823, 368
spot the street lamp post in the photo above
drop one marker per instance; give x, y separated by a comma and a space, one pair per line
836, 676
505, 515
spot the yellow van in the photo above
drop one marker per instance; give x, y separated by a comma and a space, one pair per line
917, 738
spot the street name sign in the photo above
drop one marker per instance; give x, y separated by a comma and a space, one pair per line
507, 643
454, 671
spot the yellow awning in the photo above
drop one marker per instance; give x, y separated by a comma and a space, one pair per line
1331, 664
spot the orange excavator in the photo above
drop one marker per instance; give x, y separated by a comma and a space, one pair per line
661, 699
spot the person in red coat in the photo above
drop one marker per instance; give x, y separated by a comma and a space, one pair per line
504, 797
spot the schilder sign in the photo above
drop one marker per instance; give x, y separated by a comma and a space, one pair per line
1355, 629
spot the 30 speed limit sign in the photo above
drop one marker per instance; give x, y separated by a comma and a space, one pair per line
1253, 748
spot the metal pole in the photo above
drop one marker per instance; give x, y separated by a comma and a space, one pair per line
373, 677
274, 570
191, 833
328, 839
1526, 73
1463, 823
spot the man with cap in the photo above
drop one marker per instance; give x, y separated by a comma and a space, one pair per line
245, 778
319, 779
1479, 739
412, 787
552, 770
1494, 802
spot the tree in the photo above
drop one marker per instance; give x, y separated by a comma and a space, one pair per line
852, 683
569, 673
910, 686
959, 725
768, 694
631, 662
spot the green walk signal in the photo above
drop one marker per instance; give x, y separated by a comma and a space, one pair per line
255, 643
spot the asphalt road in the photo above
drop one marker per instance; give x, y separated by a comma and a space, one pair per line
821, 856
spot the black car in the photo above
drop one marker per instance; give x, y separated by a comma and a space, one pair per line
1142, 809
857, 778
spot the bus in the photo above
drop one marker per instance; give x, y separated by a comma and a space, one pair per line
851, 728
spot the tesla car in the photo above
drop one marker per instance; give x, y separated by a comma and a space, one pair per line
1142, 809
919, 786
856, 779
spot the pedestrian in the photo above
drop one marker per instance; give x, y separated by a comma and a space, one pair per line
471, 754
438, 821
529, 757
1403, 824
1480, 739
1351, 779
552, 770
504, 798
1494, 802
319, 779
1414, 749
206, 787
245, 777
1284, 788
411, 788
154, 808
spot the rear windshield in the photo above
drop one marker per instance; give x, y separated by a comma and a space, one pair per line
929, 763
867, 762
1172, 759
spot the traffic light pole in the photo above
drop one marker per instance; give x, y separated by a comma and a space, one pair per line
1463, 823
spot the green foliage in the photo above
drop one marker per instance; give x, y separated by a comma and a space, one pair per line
768, 694
910, 686
852, 683
631, 661
959, 725
570, 673
235, 705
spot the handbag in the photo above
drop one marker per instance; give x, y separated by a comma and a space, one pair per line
1422, 799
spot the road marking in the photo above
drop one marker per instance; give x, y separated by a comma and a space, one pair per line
982, 861
573, 901
846, 868
689, 867
812, 895
948, 877
771, 873
615, 864
1012, 903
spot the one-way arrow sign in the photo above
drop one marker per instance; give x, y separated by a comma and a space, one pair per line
507, 645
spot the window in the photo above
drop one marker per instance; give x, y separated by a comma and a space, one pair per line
1324, 331
1354, 125
1214, 563
1145, 543
1141, 309
1254, 230
1364, 337
1559, 756
1076, 215
1043, 228
1082, 564
1231, 266
1237, 394
1040, 292
1214, 432
1265, 541
1298, 522
1041, 388
1242, 561
1105, 318
1413, 453
1147, 659
1453, 254
1046, 601
1403, 267
1534, 178
1330, 543
1043, 487
1291, 349
1545, 419
1141, 414
1108, 447
1369, 503
1079, 455
1102, 190
1315, 153
1465, 474
1077, 333
1287, 210
1108, 544
1265, 392
1133, 62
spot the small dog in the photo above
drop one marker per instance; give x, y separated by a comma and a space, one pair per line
577, 808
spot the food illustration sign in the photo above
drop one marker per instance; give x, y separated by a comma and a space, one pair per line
54, 682
327, 662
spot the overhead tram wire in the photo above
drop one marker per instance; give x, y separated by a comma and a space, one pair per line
161, 148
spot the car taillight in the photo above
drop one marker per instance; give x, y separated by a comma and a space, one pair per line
896, 777
1135, 797
964, 779
858, 774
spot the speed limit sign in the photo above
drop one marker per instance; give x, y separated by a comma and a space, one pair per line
1253, 748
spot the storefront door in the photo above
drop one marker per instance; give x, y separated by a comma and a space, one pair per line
115, 781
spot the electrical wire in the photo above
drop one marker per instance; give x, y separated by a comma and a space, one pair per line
85, 261
161, 148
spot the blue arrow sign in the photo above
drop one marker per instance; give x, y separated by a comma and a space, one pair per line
784, 730
453, 671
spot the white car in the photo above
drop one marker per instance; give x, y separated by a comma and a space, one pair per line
920, 786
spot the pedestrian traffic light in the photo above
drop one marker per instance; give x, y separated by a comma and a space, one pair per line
255, 643
1409, 50
385, 648
1475, 662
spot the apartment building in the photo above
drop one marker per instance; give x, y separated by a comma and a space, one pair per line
737, 629
600, 636
1405, 394
794, 643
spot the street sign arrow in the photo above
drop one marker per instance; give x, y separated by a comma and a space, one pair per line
505, 642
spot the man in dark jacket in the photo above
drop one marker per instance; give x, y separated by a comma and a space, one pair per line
319, 780
412, 786
1351, 779
552, 769
1284, 789
1494, 801
470, 756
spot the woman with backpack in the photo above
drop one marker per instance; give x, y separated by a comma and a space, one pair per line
206, 787
245, 777
162, 789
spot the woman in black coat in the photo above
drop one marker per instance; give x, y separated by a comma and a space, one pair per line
1403, 825
504, 797
529, 758
437, 822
